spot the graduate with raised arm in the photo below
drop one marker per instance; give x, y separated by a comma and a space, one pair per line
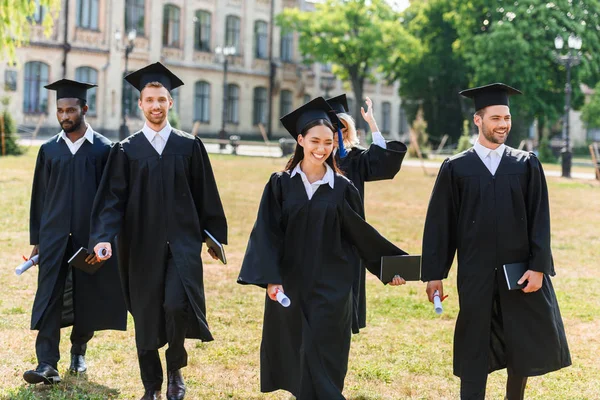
490, 206
158, 195
310, 219
67, 174
381, 161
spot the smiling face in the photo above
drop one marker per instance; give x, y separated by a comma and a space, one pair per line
494, 123
317, 144
155, 102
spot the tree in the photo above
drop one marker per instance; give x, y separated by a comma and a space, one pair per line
355, 36
15, 22
10, 128
464, 143
513, 42
434, 79
590, 113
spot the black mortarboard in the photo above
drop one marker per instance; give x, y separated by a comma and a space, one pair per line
339, 103
490, 95
315, 109
154, 73
66, 88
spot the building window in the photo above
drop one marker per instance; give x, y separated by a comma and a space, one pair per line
287, 46
10, 80
35, 97
202, 31
232, 32
39, 14
130, 99
88, 75
175, 97
261, 35
233, 99
202, 102
134, 16
171, 26
326, 67
260, 106
285, 102
87, 14
386, 112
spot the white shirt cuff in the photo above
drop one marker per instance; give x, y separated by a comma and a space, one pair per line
379, 140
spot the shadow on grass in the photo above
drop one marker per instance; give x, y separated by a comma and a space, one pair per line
70, 388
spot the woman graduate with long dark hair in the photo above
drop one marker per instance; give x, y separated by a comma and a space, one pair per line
309, 223
380, 161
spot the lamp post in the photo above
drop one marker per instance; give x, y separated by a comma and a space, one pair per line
131, 35
571, 59
223, 53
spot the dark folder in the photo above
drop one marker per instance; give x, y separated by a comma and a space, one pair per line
407, 266
513, 272
78, 261
217, 247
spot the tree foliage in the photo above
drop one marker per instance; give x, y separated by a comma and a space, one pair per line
16, 17
356, 36
590, 113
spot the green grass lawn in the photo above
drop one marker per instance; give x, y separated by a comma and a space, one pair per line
406, 350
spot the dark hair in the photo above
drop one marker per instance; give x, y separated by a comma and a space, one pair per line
299, 152
82, 103
480, 112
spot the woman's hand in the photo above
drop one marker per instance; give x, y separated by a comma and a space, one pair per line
368, 115
272, 291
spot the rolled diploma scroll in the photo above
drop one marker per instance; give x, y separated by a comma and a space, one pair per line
283, 299
27, 264
437, 303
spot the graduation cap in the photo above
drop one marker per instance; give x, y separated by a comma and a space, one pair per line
154, 73
66, 88
490, 95
339, 103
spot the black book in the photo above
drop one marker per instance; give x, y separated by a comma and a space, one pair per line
513, 272
408, 267
217, 247
78, 261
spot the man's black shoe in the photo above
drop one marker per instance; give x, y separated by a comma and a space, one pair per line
42, 374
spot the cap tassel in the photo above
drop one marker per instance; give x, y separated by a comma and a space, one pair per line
342, 149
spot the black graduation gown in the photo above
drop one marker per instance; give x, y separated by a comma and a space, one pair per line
305, 246
64, 186
366, 165
490, 221
152, 202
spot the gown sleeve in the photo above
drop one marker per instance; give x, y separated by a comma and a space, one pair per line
206, 194
38, 194
380, 163
111, 198
538, 219
369, 243
262, 261
439, 236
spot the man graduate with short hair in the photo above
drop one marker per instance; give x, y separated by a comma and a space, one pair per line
490, 204
158, 196
67, 173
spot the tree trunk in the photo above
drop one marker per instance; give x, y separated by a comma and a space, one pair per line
357, 88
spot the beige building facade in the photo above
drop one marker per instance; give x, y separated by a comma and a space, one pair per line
90, 39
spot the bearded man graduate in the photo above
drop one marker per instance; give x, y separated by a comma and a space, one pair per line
67, 173
490, 204
159, 195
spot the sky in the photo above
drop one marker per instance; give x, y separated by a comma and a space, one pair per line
398, 5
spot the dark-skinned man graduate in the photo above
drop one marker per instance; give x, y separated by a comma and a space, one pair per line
490, 205
158, 196
67, 174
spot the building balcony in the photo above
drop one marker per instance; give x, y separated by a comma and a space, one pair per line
172, 53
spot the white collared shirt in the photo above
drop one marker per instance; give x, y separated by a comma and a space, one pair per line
490, 157
76, 145
158, 140
311, 188
379, 140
